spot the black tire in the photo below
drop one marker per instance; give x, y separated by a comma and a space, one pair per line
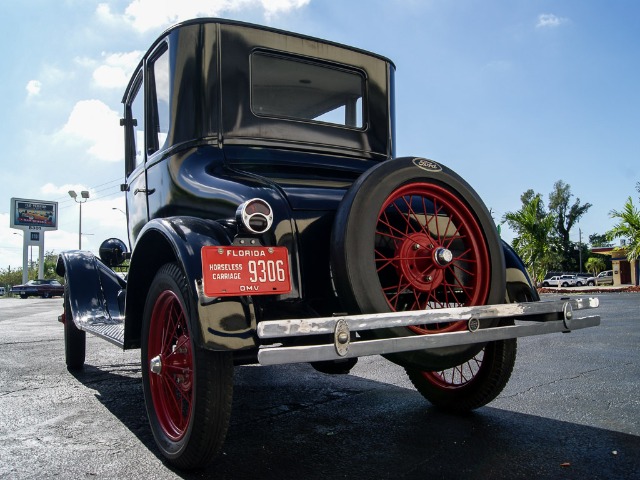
188, 400
75, 340
46, 295
590, 284
472, 384
380, 252
545, 284
24, 295
565, 284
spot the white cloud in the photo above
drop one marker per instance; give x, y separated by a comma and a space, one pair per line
549, 20
116, 69
145, 15
273, 7
93, 122
33, 88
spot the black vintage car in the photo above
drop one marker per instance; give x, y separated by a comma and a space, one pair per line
271, 222
41, 287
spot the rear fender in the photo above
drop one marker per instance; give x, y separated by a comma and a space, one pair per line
219, 323
96, 293
520, 288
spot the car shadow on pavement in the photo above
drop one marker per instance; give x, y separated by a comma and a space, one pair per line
290, 422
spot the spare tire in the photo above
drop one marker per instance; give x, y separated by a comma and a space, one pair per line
410, 234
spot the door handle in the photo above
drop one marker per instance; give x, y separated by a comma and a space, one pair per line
144, 190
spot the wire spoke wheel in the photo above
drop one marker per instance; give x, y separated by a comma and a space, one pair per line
430, 253
457, 376
473, 383
172, 386
412, 235
187, 389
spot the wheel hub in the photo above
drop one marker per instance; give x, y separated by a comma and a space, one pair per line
422, 261
155, 365
443, 256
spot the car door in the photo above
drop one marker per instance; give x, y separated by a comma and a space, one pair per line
158, 91
135, 157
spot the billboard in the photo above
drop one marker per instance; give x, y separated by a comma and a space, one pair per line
34, 214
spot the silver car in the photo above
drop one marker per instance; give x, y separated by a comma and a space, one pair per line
605, 278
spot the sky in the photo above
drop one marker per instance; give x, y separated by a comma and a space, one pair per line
511, 94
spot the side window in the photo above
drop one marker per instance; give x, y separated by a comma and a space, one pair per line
160, 95
137, 123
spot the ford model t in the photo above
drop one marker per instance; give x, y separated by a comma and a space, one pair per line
270, 222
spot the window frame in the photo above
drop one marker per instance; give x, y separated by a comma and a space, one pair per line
137, 88
317, 63
153, 116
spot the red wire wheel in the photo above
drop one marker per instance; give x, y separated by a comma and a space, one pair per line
430, 253
458, 376
473, 383
187, 389
171, 385
411, 234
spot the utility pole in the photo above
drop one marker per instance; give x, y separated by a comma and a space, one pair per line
580, 248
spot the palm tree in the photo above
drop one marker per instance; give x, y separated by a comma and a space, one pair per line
534, 240
628, 227
595, 265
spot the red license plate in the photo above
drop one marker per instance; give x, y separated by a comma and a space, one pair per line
245, 271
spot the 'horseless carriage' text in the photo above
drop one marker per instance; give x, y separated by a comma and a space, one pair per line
271, 223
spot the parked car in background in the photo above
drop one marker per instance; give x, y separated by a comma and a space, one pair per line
561, 281
39, 288
2, 290
605, 278
585, 280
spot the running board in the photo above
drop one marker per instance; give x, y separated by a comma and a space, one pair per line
533, 318
113, 333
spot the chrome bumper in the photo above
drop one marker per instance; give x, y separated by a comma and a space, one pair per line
530, 319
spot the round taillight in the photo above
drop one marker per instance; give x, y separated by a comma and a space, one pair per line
255, 215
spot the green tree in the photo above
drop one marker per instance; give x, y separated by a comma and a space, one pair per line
10, 277
595, 265
567, 215
628, 227
599, 240
533, 241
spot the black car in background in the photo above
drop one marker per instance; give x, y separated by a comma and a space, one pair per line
39, 288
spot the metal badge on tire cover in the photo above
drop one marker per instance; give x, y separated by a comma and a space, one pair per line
426, 164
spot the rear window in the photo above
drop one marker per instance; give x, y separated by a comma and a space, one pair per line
302, 90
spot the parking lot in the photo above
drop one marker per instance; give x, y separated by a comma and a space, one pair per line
571, 410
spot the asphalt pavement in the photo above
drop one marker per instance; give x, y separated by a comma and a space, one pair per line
571, 410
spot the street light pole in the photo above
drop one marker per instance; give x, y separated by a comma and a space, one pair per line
84, 197
580, 246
